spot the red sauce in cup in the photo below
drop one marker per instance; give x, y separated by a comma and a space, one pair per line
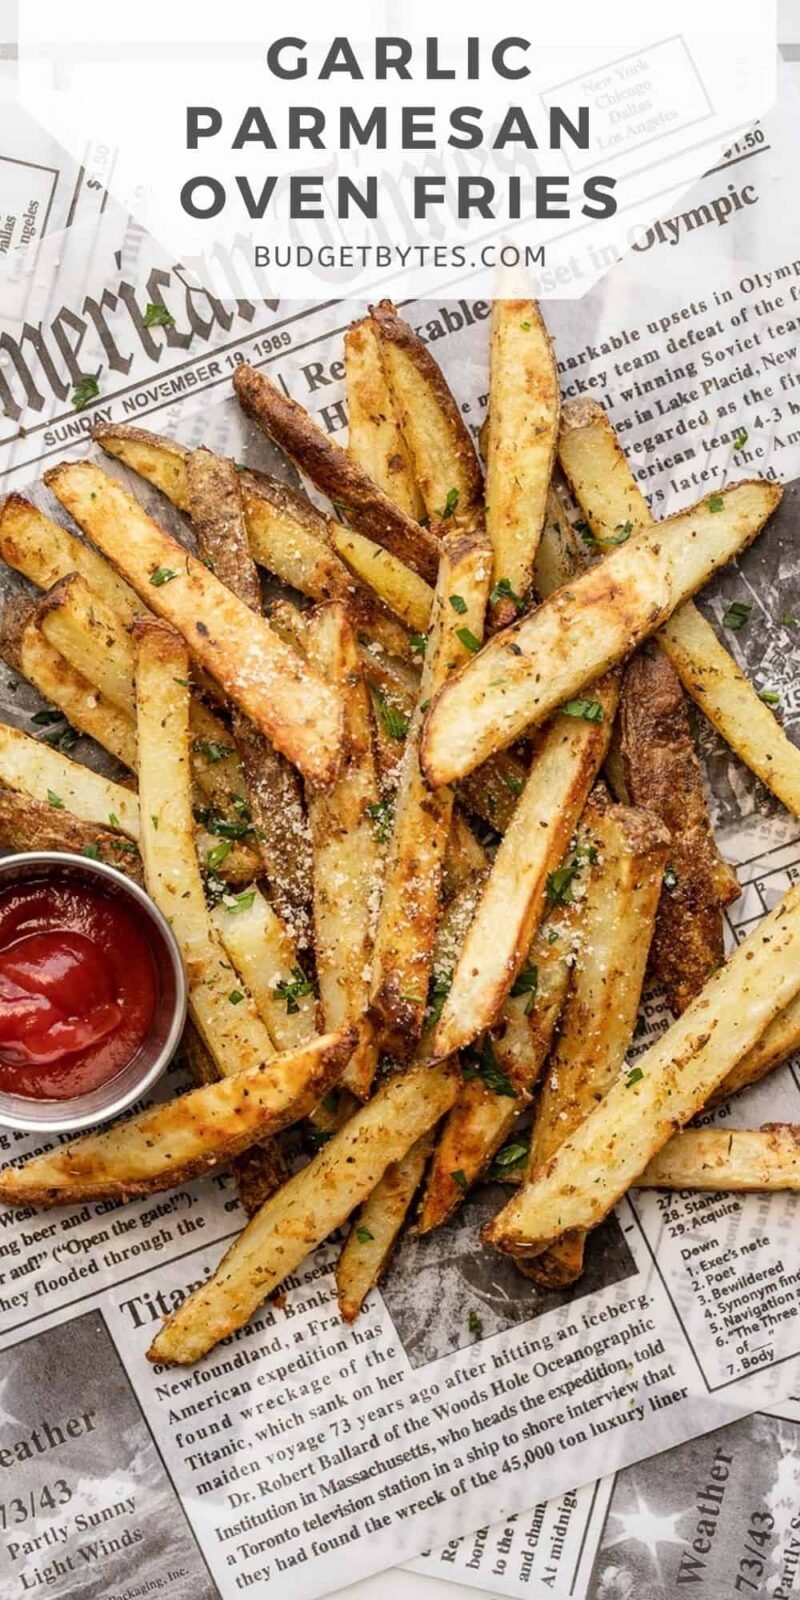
78, 988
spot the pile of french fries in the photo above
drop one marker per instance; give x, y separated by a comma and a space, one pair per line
421, 830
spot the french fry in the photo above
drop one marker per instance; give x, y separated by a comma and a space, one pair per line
610, 500
184, 1137
779, 1041
421, 824
224, 1014
346, 854
28, 824
373, 1235
565, 764
286, 533
490, 1102
662, 773
261, 1169
333, 471
269, 682
545, 659
463, 857
45, 552
273, 787
729, 1159
88, 634
397, 585
597, 1024
265, 956
446, 467
33, 768
669, 1084
374, 437
24, 647
314, 1202
521, 447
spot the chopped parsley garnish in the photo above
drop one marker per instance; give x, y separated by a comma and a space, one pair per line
450, 503
474, 1322
596, 541
292, 989
736, 615
394, 722
419, 643
157, 316
527, 982
740, 439
216, 856
458, 603
161, 576
55, 801
216, 822
235, 997
438, 991
670, 878
526, 327
92, 851
512, 1155
716, 502
503, 591
113, 819
788, 619
559, 884
481, 1062
363, 1234
84, 393
634, 1076
45, 719
61, 738
459, 1177
515, 784
468, 639
587, 710
212, 751
382, 815
240, 902
770, 696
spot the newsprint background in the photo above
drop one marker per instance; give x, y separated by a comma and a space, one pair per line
300, 1455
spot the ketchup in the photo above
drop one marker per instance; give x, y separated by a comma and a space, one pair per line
78, 988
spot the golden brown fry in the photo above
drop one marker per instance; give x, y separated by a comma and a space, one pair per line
596, 1028
33, 768
565, 764
489, 1104
269, 682
667, 1087
446, 466
261, 1169
183, 1137
397, 585
333, 472
45, 552
314, 1202
344, 822
611, 500
662, 773
373, 1235
421, 822
545, 659
273, 787
224, 1013
286, 533
729, 1159
374, 437
25, 648
265, 956
521, 446
28, 824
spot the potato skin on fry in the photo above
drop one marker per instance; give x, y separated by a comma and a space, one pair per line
27, 824
663, 774
167, 1145
331, 469
445, 462
374, 437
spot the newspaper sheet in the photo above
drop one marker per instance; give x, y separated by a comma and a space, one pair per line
301, 1454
